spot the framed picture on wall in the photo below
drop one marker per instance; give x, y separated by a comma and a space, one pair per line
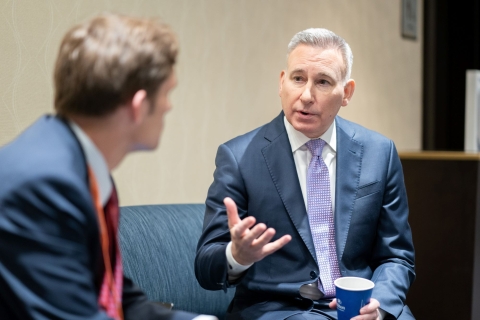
409, 19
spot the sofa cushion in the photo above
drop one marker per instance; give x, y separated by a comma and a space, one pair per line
158, 244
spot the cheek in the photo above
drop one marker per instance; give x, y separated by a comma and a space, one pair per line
288, 100
334, 103
162, 108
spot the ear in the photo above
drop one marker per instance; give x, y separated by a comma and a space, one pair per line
348, 90
280, 84
139, 106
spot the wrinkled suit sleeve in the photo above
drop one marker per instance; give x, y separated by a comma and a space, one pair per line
393, 252
210, 262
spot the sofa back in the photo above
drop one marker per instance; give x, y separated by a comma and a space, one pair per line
158, 244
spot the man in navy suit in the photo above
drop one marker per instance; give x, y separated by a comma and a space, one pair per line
258, 234
59, 258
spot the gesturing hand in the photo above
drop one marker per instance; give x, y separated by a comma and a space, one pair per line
250, 242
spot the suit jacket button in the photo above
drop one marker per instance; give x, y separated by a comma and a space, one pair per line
313, 275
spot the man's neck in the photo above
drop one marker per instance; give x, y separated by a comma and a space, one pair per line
107, 135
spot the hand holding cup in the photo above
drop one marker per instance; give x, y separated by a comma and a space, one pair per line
353, 294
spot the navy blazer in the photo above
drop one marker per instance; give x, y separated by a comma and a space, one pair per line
51, 265
373, 237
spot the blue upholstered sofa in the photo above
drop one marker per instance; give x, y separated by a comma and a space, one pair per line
158, 245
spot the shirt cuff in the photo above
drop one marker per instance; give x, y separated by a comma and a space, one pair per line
205, 317
235, 269
381, 314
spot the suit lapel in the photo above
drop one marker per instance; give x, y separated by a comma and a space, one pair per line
349, 163
279, 158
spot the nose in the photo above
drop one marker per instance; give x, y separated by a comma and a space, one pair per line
168, 106
307, 96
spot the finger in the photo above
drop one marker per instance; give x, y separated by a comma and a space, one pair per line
277, 244
368, 316
255, 232
333, 304
264, 238
241, 229
371, 307
232, 212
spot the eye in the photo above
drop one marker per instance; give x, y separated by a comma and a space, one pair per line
323, 82
297, 79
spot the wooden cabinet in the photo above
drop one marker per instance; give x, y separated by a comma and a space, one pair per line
443, 191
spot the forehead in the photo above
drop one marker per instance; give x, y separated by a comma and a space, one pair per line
305, 58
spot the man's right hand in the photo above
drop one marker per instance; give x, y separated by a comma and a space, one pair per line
250, 242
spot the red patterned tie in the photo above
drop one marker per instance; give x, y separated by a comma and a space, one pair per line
110, 298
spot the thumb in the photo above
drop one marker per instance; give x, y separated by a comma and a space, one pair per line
232, 212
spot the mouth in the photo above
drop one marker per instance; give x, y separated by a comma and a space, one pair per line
304, 113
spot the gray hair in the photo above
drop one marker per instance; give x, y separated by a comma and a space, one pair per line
323, 38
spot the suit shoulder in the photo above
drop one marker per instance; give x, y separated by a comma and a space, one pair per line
361, 134
259, 137
45, 170
45, 150
247, 139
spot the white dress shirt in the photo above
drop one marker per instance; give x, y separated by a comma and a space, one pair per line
96, 162
302, 156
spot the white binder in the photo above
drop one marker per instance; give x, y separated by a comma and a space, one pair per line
472, 111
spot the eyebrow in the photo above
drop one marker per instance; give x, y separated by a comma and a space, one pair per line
325, 74
297, 70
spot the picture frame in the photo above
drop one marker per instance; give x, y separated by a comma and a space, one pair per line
409, 19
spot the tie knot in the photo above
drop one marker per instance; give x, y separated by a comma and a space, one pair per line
315, 146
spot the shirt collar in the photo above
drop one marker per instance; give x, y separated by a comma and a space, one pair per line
96, 161
298, 139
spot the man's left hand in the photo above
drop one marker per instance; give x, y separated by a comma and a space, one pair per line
368, 312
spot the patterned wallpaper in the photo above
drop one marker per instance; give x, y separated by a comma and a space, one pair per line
232, 52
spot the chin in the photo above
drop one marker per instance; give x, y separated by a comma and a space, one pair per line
305, 129
144, 146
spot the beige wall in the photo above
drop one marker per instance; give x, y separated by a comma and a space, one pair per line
232, 52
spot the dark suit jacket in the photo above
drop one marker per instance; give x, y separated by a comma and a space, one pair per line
50, 255
373, 237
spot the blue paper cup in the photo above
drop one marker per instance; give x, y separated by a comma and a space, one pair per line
352, 294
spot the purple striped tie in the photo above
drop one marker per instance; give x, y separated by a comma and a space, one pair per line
320, 216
